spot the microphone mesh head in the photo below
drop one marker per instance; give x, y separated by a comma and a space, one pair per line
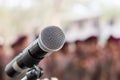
52, 37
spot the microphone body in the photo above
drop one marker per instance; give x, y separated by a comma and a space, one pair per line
51, 39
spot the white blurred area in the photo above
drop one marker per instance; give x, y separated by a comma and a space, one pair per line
92, 17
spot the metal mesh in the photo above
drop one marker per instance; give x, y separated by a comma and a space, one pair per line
52, 37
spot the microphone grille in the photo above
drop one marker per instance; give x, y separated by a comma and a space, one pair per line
52, 37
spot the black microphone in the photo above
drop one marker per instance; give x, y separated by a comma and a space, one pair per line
50, 39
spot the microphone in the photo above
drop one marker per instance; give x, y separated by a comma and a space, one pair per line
50, 39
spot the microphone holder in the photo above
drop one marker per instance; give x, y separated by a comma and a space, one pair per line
34, 73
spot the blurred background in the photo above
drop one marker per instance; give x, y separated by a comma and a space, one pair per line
92, 29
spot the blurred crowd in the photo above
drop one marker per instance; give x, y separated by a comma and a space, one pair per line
81, 57
91, 52
88, 61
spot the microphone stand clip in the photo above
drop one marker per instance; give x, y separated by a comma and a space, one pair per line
34, 73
